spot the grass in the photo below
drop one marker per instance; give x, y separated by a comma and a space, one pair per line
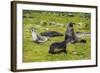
33, 52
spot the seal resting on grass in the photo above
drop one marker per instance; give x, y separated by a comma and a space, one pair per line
37, 37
